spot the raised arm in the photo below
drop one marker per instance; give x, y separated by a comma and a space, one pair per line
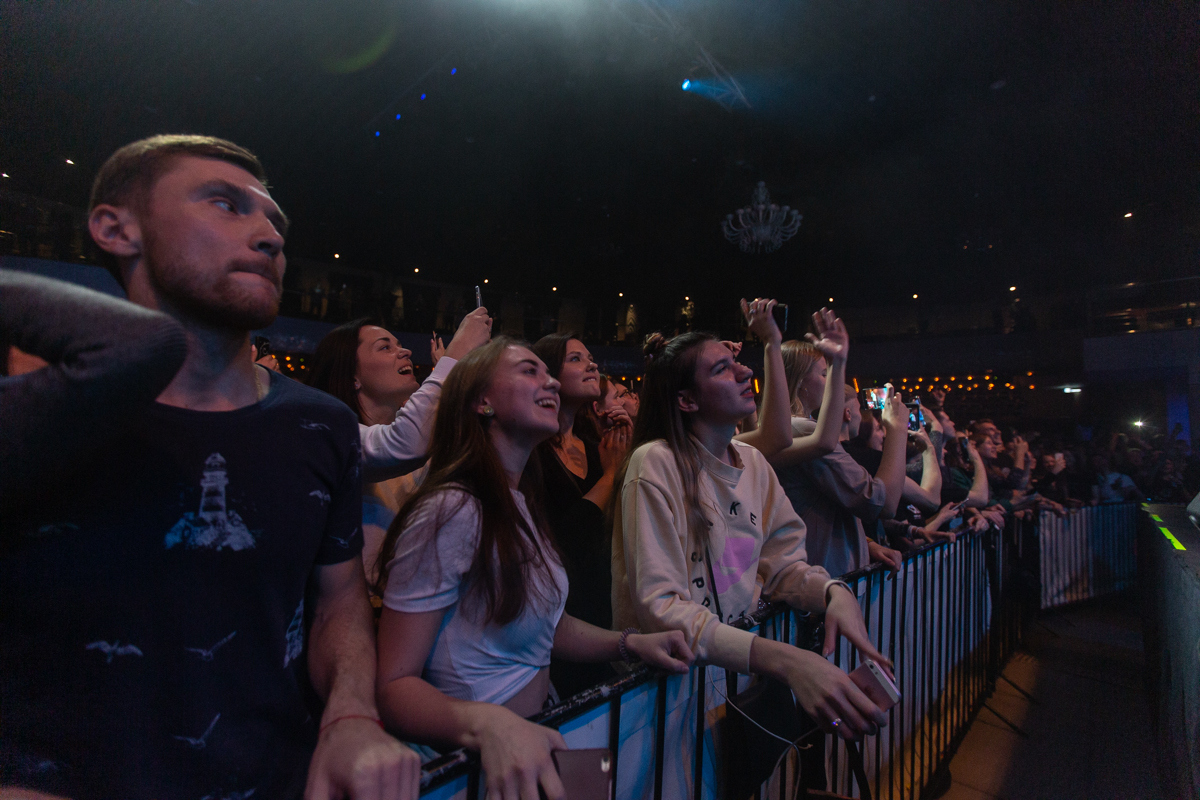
107, 360
774, 430
399, 447
834, 343
978, 496
895, 443
928, 493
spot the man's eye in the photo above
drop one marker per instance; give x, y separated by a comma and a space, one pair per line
224, 204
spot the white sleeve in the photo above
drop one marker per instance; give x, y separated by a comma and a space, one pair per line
433, 554
390, 451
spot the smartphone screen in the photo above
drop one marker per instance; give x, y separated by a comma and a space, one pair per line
875, 398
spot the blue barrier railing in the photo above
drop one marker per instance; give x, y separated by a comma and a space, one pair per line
947, 620
1088, 553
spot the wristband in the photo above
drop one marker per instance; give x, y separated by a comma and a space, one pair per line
621, 644
336, 720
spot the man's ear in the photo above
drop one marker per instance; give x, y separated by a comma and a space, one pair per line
687, 403
115, 230
846, 415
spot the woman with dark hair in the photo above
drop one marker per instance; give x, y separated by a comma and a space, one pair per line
364, 366
702, 528
473, 587
577, 467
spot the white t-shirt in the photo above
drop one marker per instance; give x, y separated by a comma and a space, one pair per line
471, 659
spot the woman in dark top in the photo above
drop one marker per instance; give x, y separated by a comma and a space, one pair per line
577, 476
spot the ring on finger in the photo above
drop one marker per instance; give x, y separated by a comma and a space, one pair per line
837, 722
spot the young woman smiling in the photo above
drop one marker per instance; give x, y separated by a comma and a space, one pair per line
474, 590
703, 529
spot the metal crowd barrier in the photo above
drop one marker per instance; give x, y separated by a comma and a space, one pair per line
948, 620
1089, 553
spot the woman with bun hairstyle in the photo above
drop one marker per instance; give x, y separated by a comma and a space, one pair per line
473, 587
702, 529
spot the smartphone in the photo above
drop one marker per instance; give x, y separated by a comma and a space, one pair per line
781, 316
875, 398
916, 416
263, 345
478, 297
586, 774
876, 684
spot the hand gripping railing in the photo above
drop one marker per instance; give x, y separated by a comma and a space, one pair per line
947, 619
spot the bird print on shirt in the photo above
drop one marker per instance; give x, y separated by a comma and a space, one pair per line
210, 653
344, 543
230, 796
294, 638
309, 425
202, 741
320, 495
113, 649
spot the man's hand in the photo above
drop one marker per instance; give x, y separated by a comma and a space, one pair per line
761, 321
474, 331
831, 338
357, 760
884, 555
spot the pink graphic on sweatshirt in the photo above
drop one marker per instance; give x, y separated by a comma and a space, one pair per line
738, 557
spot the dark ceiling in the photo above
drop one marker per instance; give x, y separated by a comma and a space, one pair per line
947, 148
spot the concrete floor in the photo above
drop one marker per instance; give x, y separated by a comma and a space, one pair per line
1088, 732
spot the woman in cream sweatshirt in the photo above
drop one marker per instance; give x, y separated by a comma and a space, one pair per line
702, 528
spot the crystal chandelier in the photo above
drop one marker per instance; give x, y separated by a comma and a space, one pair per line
762, 226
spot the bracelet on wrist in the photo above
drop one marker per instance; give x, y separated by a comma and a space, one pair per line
621, 646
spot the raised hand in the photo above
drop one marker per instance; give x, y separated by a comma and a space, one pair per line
474, 331
436, 348
831, 337
761, 320
895, 414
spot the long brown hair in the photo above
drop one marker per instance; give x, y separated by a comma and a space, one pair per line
335, 362
798, 360
670, 369
461, 456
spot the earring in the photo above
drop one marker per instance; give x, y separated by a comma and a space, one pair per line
487, 411
357, 386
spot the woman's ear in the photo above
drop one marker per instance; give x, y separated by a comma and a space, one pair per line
687, 404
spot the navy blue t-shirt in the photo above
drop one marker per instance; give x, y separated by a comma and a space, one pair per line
152, 621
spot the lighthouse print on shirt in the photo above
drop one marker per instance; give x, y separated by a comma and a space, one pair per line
215, 527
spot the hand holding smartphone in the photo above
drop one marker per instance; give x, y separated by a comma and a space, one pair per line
876, 684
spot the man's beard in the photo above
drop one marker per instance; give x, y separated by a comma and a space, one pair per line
218, 303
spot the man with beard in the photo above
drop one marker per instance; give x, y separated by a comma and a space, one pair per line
164, 625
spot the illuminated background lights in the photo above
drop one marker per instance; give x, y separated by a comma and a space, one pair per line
69, 161
686, 85
453, 70
1128, 214
422, 95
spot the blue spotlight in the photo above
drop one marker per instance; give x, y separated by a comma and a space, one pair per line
397, 116
422, 95
376, 133
453, 70
686, 84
